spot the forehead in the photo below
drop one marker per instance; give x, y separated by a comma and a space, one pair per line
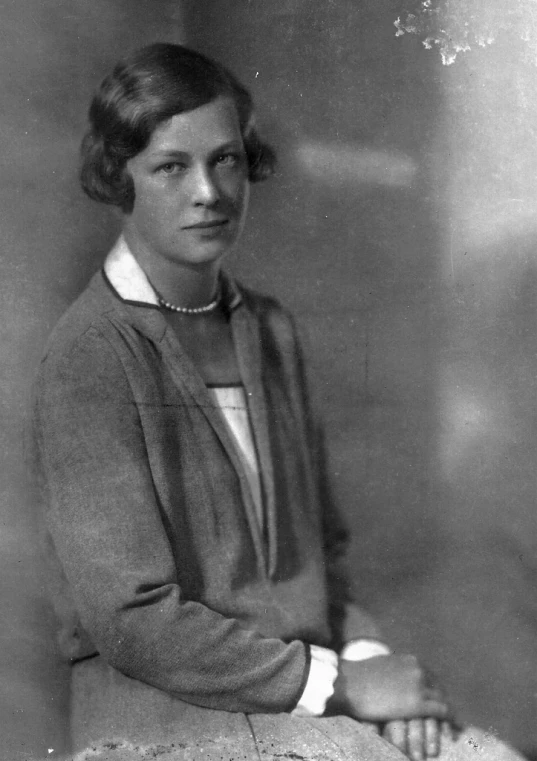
201, 130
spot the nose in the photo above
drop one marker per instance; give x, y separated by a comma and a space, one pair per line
205, 192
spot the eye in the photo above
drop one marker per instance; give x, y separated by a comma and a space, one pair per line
228, 159
171, 167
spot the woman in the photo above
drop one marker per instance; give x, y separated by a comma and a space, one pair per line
187, 501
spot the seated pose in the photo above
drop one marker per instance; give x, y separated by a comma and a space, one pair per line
199, 578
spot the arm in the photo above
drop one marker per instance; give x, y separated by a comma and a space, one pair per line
104, 518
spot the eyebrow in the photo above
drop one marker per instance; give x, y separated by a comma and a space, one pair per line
174, 152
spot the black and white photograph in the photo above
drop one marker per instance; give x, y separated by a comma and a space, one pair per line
269, 380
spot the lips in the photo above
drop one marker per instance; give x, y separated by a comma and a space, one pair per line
207, 225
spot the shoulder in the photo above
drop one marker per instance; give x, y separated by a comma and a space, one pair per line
78, 345
87, 311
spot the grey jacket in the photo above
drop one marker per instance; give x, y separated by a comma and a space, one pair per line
164, 572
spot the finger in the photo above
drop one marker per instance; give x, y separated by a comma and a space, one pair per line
415, 739
431, 728
449, 732
456, 727
395, 733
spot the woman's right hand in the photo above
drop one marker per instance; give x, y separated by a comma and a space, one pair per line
385, 688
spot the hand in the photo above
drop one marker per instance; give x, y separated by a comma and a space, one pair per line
386, 688
419, 739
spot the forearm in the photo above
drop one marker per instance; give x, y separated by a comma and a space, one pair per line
202, 657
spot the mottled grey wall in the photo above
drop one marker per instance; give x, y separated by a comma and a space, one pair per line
52, 55
401, 229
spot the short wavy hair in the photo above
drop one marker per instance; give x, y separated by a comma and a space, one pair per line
144, 90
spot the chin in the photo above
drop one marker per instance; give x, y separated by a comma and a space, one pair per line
216, 248
207, 255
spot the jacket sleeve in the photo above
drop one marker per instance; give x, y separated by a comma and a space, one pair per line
104, 519
349, 621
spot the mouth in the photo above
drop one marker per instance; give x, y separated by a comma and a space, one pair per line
207, 225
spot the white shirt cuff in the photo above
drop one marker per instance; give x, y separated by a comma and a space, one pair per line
324, 669
320, 684
362, 649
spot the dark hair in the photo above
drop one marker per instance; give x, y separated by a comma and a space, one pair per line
145, 89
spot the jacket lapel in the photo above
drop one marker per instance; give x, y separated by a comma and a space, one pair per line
186, 376
153, 325
140, 303
247, 340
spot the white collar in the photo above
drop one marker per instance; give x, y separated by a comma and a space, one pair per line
126, 276
130, 282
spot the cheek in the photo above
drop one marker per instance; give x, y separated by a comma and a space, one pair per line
152, 204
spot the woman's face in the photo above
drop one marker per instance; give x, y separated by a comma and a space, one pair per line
191, 187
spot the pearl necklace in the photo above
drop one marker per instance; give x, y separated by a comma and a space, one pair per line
191, 310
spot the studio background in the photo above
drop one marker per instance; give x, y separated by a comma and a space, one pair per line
401, 230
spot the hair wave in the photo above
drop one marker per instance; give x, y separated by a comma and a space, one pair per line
144, 90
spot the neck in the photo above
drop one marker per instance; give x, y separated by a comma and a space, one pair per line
183, 285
